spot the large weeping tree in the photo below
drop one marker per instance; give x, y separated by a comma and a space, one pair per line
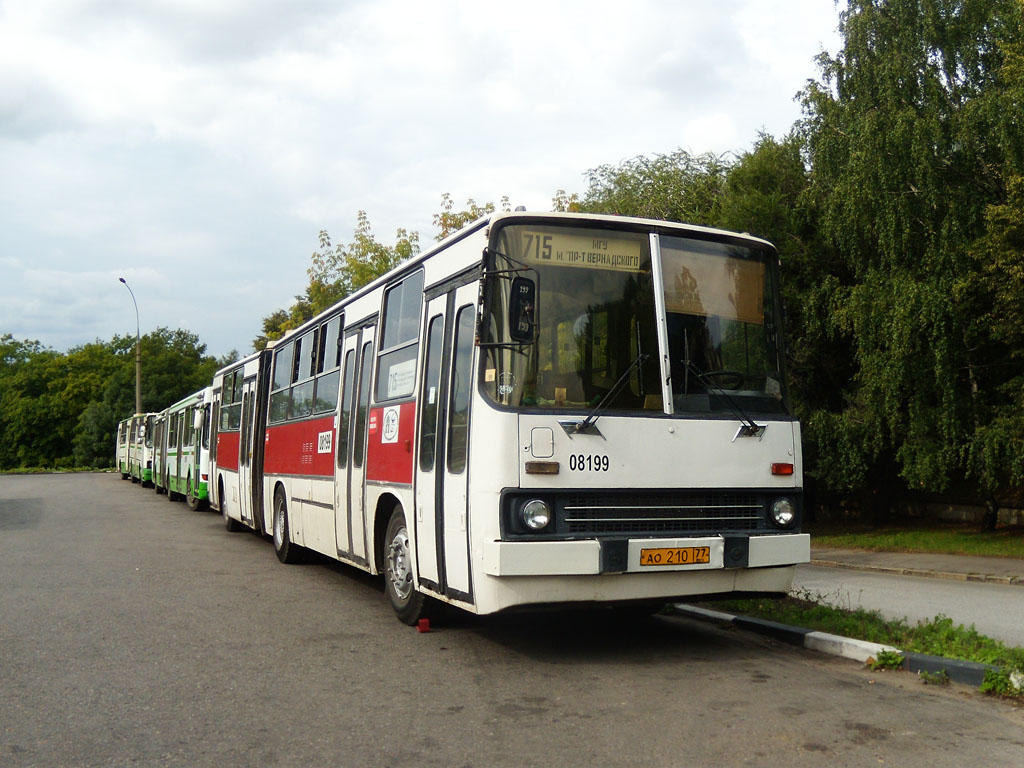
914, 134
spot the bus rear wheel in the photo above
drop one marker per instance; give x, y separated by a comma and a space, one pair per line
232, 525
193, 501
406, 601
286, 551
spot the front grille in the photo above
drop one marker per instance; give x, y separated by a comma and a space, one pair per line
663, 513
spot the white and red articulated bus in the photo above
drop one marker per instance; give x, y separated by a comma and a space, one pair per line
542, 409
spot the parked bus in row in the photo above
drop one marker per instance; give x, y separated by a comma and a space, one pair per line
542, 409
181, 464
236, 452
138, 451
121, 448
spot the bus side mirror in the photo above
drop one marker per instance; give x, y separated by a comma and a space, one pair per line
197, 420
522, 311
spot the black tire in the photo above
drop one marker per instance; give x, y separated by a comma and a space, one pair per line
286, 551
172, 495
230, 524
407, 602
193, 501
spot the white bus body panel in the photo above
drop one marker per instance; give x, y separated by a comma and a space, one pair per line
654, 452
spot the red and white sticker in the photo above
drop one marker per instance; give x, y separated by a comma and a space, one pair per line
389, 433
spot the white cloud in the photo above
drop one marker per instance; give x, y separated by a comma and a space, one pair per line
208, 143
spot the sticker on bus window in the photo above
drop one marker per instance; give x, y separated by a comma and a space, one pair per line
324, 442
389, 432
401, 378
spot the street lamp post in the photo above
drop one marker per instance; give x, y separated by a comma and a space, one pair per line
138, 351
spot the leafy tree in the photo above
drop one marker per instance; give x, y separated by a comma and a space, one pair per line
676, 187
908, 151
339, 270
336, 272
58, 410
563, 202
26, 422
347, 268
94, 437
766, 193
449, 221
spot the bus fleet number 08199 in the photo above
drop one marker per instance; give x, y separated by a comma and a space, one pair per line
588, 462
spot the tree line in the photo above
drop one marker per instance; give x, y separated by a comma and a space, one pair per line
897, 205
60, 410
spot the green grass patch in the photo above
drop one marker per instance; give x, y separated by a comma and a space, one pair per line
1003, 542
938, 637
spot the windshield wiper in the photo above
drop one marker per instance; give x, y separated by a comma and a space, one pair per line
749, 427
576, 427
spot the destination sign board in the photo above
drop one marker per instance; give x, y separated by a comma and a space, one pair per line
585, 250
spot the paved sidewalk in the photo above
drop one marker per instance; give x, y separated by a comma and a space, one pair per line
1003, 570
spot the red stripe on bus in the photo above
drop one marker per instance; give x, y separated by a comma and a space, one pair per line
300, 447
389, 458
227, 450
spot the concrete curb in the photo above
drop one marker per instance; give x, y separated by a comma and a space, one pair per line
967, 672
950, 576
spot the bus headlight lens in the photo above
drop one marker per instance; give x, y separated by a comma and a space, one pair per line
783, 512
536, 514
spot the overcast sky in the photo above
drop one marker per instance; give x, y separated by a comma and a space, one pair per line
197, 147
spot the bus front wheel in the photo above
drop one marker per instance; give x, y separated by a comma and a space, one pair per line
406, 601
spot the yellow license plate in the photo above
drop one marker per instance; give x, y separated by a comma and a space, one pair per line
675, 556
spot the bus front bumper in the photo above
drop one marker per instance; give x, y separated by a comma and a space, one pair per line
592, 557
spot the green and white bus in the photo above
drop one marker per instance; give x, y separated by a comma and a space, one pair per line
182, 456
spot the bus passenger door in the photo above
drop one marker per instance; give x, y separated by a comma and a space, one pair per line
442, 514
350, 464
245, 451
456, 437
343, 437
177, 461
430, 415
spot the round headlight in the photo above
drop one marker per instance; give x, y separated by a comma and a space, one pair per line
783, 512
536, 514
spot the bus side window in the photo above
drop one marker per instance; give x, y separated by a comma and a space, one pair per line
359, 438
346, 407
328, 358
462, 370
280, 388
399, 339
431, 384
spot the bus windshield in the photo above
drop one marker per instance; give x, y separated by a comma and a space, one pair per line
597, 322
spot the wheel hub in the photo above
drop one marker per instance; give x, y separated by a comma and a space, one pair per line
399, 572
278, 527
